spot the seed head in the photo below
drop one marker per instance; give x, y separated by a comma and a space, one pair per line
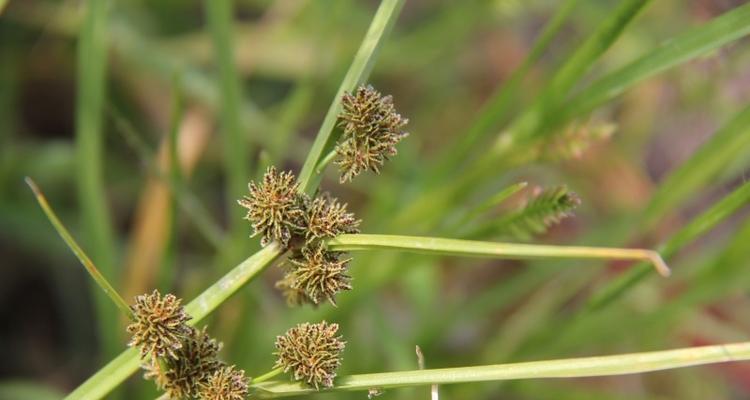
159, 326
196, 362
312, 352
275, 207
227, 383
372, 128
326, 217
319, 273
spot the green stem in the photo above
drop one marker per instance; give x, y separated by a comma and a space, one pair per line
622, 364
268, 375
325, 161
78, 251
433, 245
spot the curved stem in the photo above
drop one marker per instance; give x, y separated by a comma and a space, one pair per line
78, 251
516, 251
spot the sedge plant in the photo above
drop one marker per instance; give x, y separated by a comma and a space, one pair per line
317, 240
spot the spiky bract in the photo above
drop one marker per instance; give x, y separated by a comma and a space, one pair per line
159, 326
372, 128
312, 352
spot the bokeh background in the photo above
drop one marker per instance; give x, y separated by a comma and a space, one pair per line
442, 61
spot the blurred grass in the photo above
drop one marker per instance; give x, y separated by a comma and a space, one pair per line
90, 139
455, 69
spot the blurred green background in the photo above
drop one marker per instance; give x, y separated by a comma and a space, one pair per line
250, 88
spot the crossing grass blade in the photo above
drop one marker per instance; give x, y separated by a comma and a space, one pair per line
689, 45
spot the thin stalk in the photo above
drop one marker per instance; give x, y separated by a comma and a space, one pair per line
268, 375
325, 161
515, 251
622, 364
358, 72
78, 251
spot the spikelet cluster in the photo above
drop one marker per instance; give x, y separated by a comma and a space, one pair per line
275, 207
317, 274
326, 218
372, 129
158, 328
181, 377
312, 352
227, 383
181, 360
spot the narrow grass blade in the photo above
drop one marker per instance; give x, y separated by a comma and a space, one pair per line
119, 369
78, 251
219, 17
457, 247
565, 368
497, 107
697, 227
685, 47
529, 124
703, 166
357, 74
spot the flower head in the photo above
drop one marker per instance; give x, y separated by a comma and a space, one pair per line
326, 217
195, 364
319, 273
159, 325
372, 128
312, 352
275, 207
226, 383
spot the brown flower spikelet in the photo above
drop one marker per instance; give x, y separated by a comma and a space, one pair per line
319, 273
275, 207
326, 217
160, 325
372, 128
196, 362
312, 352
227, 383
